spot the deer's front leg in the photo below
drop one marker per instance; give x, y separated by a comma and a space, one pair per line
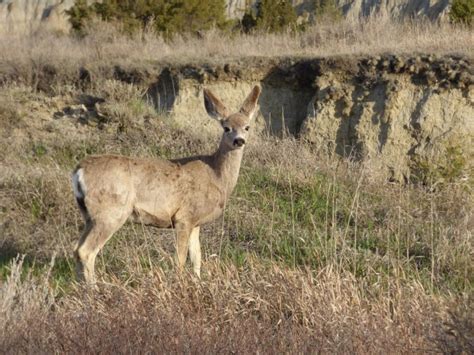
182, 240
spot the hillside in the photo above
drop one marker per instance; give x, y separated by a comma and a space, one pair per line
349, 231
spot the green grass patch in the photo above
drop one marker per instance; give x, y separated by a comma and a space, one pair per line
60, 270
323, 222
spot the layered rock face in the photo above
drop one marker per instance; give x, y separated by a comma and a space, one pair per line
396, 114
403, 117
432, 9
29, 15
399, 114
25, 16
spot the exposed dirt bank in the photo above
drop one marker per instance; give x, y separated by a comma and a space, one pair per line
400, 114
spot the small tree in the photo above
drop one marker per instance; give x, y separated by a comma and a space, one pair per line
462, 11
78, 14
166, 16
327, 10
194, 15
275, 15
249, 21
270, 16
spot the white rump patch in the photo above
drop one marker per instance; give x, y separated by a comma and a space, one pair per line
78, 184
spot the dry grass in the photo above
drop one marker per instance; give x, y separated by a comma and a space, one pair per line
21, 56
313, 254
264, 309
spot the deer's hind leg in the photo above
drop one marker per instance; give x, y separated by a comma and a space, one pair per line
195, 251
96, 233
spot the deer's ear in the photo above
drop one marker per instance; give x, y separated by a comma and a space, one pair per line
249, 107
214, 107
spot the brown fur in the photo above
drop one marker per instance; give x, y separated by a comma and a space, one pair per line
183, 193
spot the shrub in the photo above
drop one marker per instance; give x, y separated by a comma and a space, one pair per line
78, 14
462, 11
271, 16
166, 17
431, 170
326, 10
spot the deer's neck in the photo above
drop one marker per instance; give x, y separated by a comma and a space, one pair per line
227, 166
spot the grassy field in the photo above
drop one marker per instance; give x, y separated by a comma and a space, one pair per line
313, 253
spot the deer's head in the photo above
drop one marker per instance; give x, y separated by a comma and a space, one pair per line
235, 125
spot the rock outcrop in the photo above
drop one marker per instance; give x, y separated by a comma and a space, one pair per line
405, 117
397, 114
432, 9
25, 16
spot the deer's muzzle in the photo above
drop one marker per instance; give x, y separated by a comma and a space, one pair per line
239, 142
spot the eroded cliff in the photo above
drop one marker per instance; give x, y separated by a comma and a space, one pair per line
397, 114
407, 117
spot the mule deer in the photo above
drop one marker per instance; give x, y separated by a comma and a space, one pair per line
181, 194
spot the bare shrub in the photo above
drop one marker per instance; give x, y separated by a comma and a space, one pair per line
24, 300
455, 328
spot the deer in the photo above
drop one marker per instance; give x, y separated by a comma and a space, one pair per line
181, 194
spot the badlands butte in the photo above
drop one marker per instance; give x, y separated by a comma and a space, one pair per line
405, 116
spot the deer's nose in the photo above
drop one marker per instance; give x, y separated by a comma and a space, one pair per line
238, 142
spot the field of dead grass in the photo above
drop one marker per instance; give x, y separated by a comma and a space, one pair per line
22, 57
313, 253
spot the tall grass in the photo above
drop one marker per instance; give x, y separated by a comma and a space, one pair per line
104, 44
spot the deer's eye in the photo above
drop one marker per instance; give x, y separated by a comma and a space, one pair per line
226, 129
247, 128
